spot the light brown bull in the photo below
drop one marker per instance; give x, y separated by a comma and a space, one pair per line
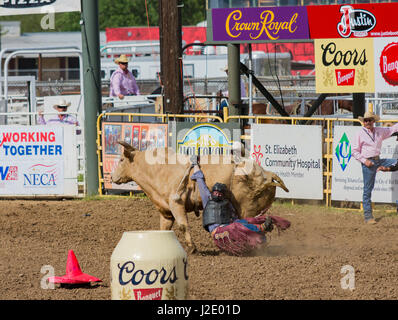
168, 185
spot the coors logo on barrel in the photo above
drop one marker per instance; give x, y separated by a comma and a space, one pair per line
23, 4
357, 21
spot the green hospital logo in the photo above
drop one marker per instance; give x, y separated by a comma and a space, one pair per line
343, 152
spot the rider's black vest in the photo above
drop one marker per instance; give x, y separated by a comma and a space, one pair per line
218, 212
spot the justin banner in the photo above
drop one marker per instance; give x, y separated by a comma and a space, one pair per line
18, 7
344, 65
259, 24
386, 64
353, 20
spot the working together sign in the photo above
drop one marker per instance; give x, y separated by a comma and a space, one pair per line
344, 65
347, 181
259, 24
286, 151
31, 160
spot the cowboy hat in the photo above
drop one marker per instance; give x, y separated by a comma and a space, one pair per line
369, 114
122, 59
61, 103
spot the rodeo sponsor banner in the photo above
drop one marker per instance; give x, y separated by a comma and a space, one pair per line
386, 64
142, 136
344, 65
353, 20
204, 139
286, 151
18, 7
31, 160
259, 24
347, 181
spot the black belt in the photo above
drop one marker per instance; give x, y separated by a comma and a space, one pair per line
377, 158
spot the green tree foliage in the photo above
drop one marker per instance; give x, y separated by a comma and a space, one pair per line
114, 14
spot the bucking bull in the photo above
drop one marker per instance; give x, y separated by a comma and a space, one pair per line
164, 177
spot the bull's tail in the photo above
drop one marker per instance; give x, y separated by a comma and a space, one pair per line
182, 185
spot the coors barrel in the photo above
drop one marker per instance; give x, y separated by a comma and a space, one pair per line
149, 265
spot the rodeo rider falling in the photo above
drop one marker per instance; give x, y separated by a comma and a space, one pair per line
229, 233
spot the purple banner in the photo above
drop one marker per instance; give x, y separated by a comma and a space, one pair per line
261, 23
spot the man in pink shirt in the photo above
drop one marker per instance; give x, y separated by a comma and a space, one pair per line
122, 80
366, 149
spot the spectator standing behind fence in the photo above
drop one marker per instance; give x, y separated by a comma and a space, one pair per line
61, 106
122, 80
366, 149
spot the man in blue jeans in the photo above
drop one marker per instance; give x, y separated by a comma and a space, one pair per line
366, 149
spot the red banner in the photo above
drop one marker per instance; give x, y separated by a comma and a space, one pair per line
353, 21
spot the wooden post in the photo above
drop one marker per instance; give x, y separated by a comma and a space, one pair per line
171, 55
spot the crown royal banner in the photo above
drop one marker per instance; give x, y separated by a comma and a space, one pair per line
259, 24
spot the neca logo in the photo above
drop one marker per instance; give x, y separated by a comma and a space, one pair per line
357, 21
16, 4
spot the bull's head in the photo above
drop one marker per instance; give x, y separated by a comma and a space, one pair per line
123, 172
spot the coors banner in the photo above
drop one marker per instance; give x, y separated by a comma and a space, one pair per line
344, 65
17, 7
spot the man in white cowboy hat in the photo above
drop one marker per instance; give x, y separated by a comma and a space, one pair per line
122, 80
62, 118
366, 149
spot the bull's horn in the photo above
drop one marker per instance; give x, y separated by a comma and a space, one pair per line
126, 146
278, 182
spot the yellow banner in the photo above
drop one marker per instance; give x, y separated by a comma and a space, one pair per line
344, 65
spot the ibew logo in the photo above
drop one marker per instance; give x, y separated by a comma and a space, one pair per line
40, 175
343, 152
8, 173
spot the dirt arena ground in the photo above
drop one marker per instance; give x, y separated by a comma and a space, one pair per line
305, 262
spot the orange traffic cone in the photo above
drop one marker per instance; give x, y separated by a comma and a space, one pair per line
74, 274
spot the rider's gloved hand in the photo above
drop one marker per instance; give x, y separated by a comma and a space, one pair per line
194, 160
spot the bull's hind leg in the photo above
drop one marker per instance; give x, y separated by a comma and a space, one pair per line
166, 223
182, 220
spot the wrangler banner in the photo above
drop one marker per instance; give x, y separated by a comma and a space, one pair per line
344, 65
353, 20
18, 7
259, 24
